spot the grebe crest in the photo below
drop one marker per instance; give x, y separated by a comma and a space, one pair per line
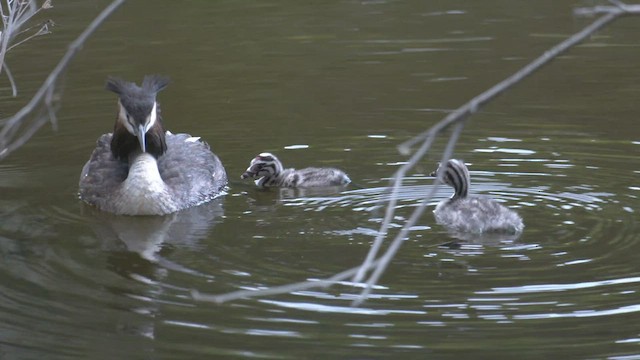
268, 171
142, 169
472, 213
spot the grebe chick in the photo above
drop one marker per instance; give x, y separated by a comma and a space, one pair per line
268, 171
471, 213
141, 169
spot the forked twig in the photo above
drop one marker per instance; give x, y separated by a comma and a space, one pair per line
18, 13
457, 118
283, 289
9, 138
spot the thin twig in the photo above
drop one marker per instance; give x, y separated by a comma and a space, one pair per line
458, 116
18, 13
426, 138
396, 183
474, 104
283, 289
11, 125
393, 248
44, 29
14, 88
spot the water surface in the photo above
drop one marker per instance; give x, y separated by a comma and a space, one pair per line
337, 83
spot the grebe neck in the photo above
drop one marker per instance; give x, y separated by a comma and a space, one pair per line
456, 175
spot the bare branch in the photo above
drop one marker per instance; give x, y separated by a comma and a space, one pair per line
619, 8
415, 216
474, 104
284, 289
44, 30
458, 116
19, 12
426, 139
45, 95
14, 88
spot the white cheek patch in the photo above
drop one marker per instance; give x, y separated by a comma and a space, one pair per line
193, 139
122, 116
151, 119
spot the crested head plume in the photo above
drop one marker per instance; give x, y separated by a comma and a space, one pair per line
155, 83
151, 85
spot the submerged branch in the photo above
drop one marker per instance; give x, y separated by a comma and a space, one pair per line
457, 119
19, 128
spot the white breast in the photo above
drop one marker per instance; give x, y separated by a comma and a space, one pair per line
143, 192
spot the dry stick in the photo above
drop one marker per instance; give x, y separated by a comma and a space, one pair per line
18, 13
12, 124
459, 115
396, 183
473, 105
14, 87
284, 289
619, 6
386, 258
428, 136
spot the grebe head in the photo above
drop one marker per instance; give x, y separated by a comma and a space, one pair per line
138, 125
263, 165
455, 174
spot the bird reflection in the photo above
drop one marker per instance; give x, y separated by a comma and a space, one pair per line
135, 245
267, 198
148, 235
483, 239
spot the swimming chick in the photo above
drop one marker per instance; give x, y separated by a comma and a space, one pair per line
268, 171
471, 213
142, 169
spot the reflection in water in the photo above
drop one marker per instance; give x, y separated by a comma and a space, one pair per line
148, 235
264, 198
490, 238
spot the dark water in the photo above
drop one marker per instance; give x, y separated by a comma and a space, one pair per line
336, 83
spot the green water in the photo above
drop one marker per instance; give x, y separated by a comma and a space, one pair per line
334, 83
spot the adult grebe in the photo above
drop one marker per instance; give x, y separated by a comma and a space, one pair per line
268, 171
471, 213
141, 169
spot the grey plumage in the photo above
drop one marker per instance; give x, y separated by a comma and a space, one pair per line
141, 169
192, 173
472, 213
268, 171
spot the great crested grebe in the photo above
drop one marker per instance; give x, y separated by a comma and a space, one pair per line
141, 169
268, 171
472, 213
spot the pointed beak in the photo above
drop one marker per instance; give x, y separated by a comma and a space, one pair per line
434, 173
141, 134
250, 172
247, 174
